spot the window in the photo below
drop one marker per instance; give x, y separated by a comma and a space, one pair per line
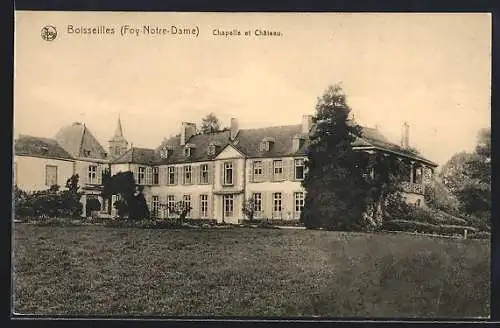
156, 176
278, 169
228, 205
155, 206
164, 152
228, 173
211, 149
187, 203
187, 174
277, 202
204, 173
299, 202
204, 206
50, 175
187, 151
92, 174
141, 177
266, 145
417, 175
170, 204
257, 200
257, 168
171, 175
299, 169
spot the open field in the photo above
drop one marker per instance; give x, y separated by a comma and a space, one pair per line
247, 272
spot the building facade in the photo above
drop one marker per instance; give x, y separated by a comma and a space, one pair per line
214, 173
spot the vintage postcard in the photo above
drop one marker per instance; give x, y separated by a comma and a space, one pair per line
222, 165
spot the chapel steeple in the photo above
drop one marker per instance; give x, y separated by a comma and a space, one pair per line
117, 144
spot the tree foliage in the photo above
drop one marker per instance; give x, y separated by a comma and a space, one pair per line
210, 124
249, 208
132, 203
49, 203
334, 180
180, 208
468, 177
347, 189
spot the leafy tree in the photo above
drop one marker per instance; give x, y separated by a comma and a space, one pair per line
132, 201
249, 208
468, 176
383, 174
72, 183
334, 181
107, 190
49, 203
179, 208
210, 124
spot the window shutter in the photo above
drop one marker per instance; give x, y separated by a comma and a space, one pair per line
267, 199
270, 170
196, 174
211, 173
289, 169
135, 172
222, 174
99, 174
235, 173
286, 205
251, 176
149, 201
161, 175
149, 175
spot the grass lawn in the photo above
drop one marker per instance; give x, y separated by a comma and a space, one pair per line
247, 272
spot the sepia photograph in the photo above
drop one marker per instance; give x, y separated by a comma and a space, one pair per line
251, 165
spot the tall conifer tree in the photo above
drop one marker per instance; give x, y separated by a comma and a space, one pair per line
334, 183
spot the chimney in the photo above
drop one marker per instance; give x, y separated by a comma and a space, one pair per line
405, 135
233, 129
187, 131
306, 123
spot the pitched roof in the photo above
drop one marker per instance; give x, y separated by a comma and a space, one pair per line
199, 153
372, 137
39, 147
76, 139
248, 142
136, 155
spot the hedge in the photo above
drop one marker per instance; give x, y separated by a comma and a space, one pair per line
265, 222
422, 227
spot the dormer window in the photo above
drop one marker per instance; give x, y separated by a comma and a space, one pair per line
165, 152
86, 153
266, 144
187, 152
298, 142
211, 149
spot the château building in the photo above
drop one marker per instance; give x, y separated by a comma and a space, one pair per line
215, 173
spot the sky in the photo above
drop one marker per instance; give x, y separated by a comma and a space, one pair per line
431, 70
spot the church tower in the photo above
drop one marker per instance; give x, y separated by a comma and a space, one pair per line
117, 144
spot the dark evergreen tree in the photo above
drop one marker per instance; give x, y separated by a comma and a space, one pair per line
335, 183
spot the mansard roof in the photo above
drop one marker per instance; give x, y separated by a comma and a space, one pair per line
136, 155
77, 138
248, 142
39, 147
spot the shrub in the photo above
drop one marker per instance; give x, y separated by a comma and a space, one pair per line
48, 203
422, 227
92, 205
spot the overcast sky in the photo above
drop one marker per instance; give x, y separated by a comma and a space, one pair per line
432, 70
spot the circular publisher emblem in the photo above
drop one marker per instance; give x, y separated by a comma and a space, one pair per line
49, 33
